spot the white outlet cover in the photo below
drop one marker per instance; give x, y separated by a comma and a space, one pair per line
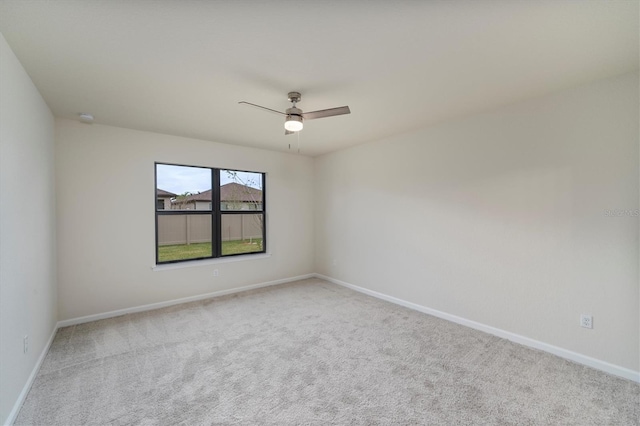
586, 321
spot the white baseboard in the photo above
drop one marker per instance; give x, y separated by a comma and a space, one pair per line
27, 386
151, 306
563, 353
616, 370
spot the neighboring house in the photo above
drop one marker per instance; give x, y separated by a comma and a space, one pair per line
201, 201
163, 199
233, 196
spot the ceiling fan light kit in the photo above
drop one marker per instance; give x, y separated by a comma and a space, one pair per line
293, 123
295, 117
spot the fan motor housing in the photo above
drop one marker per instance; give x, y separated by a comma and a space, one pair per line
294, 111
294, 97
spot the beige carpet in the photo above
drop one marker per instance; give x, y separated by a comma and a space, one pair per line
310, 353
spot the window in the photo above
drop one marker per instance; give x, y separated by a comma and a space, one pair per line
188, 227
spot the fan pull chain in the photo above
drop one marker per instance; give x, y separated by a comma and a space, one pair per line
298, 136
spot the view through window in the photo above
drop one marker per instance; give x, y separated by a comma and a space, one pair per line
204, 212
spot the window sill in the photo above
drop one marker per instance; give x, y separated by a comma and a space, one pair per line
207, 262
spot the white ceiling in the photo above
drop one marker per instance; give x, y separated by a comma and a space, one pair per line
180, 67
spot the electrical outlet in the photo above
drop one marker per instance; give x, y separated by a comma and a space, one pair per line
586, 321
335, 262
25, 343
216, 273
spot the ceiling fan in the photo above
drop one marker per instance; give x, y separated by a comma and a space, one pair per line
295, 117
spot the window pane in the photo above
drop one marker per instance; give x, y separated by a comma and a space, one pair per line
240, 190
182, 237
183, 188
242, 233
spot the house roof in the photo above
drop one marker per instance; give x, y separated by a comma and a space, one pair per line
236, 192
229, 192
399, 66
161, 193
203, 196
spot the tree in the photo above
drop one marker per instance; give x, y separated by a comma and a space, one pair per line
178, 202
249, 190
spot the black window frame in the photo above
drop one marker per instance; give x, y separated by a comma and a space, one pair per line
215, 211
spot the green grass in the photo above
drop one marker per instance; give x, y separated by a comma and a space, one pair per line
184, 251
241, 246
197, 250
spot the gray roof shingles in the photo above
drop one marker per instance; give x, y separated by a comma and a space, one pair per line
229, 192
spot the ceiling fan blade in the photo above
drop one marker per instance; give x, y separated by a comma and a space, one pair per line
261, 107
326, 113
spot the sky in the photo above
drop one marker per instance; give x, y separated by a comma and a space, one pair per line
181, 179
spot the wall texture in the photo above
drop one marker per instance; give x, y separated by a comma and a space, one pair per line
503, 218
27, 227
105, 207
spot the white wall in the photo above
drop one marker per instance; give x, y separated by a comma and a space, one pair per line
500, 218
27, 227
105, 207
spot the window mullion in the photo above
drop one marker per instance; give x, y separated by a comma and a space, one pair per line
216, 225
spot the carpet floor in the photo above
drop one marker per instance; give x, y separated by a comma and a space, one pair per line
312, 353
